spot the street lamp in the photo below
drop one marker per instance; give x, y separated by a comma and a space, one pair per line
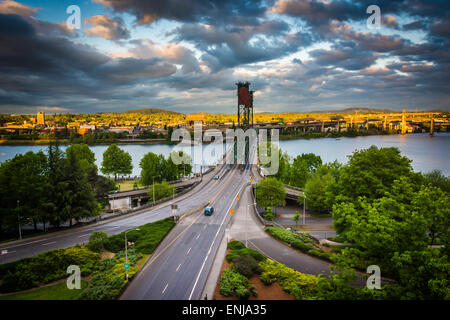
154, 187
18, 219
246, 228
126, 248
304, 206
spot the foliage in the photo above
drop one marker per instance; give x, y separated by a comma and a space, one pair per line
116, 161
233, 283
162, 190
109, 280
302, 286
246, 266
146, 239
45, 268
235, 245
270, 192
244, 252
97, 241
296, 217
437, 179
320, 190
268, 214
302, 167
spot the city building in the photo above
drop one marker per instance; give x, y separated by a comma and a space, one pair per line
41, 118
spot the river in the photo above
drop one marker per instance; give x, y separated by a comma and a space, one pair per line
428, 153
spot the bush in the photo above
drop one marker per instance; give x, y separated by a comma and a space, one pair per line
97, 240
234, 245
299, 241
46, 267
146, 239
233, 283
302, 286
268, 215
245, 252
246, 265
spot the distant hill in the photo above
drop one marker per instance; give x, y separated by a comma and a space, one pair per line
151, 111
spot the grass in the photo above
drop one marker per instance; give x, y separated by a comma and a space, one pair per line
57, 291
126, 185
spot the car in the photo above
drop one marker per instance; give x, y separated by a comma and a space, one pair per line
216, 177
209, 211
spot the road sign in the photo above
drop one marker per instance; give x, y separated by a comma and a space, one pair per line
238, 196
126, 266
231, 211
251, 180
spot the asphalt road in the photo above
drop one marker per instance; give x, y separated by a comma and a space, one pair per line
26, 248
179, 268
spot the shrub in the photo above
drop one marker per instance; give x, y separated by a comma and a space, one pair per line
245, 252
97, 240
46, 267
302, 286
268, 215
246, 265
299, 241
234, 245
233, 283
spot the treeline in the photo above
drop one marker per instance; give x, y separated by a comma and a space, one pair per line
53, 187
96, 137
394, 217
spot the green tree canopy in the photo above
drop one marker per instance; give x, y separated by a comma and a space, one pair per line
270, 192
116, 161
162, 190
320, 190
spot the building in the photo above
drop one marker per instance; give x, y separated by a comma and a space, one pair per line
41, 118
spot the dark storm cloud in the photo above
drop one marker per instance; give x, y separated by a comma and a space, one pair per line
209, 11
45, 70
346, 58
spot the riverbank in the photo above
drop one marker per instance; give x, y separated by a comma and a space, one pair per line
67, 142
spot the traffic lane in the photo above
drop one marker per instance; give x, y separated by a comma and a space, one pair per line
173, 274
23, 250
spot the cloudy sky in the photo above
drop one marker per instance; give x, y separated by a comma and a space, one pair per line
186, 55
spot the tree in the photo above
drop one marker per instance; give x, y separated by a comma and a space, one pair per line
370, 173
22, 178
116, 161
302, 168
270, 192
437, 179
162, 190
185, 166
265, 157
296, 217
320, 190
152, 165
97, 240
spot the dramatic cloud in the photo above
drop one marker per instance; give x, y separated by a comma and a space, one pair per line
106, 27
299, 55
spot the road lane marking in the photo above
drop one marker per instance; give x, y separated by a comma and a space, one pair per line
188, 251
198, 236
178, 267
84, 235
46, 244
165, 288
212, 243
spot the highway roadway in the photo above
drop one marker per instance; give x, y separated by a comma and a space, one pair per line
193, 199
180, 266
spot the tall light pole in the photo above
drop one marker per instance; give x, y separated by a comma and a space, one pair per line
18, 219
304, 206
246, 228
154, 187
126, 249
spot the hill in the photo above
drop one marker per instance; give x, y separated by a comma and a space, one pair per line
151, 111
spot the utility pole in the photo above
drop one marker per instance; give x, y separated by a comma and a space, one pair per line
304, 209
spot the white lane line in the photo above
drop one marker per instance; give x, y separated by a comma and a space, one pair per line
165, 288
178, 267
24, 244
198, 236
6, 252
46, 244
212, 243
84, 235
188, 251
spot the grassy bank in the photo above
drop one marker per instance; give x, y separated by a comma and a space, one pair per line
53, 292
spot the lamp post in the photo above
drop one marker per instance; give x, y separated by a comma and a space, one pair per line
126, 249
18, 219
246, 228
304, 206
154, 187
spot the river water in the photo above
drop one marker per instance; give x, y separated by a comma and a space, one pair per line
428, 153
